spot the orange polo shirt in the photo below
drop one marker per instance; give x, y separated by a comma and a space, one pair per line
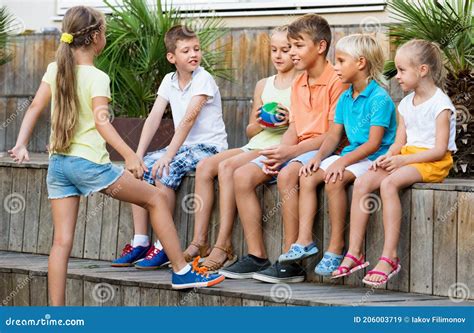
313, 106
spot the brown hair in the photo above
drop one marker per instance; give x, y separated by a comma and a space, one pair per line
314, 25
176, 33
423, 52
82, 23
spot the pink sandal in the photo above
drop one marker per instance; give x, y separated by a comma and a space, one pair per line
346, 271
395, 269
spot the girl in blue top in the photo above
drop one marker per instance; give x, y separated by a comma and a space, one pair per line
79, 163
366, 113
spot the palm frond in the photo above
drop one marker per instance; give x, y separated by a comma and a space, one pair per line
135, 56
448, 23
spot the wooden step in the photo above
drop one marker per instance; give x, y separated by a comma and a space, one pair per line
95, 282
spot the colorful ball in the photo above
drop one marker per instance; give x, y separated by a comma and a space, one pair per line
269, 113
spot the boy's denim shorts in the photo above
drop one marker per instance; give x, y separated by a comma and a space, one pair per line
185, 160
75, 176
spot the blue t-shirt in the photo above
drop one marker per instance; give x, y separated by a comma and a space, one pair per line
373, 107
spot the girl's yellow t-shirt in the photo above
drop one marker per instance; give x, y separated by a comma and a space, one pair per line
91, 82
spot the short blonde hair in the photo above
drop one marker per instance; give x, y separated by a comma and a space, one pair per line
363, 45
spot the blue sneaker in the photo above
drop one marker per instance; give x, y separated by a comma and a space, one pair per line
298, 252
130, 255
328, 264
197, 277
154, 259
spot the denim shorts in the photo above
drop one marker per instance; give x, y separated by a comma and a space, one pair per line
75, 176
185, 160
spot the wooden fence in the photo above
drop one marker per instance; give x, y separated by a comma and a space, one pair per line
247, 52
436, 236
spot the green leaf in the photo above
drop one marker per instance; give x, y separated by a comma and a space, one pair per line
135, 54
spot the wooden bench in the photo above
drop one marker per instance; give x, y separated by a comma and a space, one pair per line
437, 234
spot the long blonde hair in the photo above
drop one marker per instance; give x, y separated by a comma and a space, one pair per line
363, 45
82, 23
428, 53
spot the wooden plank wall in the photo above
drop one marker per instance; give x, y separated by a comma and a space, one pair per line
247, 53
435, 247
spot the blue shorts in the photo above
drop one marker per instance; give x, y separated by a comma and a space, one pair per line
303, 159
75, 176
186, 160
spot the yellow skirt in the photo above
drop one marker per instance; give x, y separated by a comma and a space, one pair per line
432, 172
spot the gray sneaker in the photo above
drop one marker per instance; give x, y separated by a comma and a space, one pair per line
244, 268
281, 273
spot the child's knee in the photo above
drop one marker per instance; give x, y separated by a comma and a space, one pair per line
361, 186
63, 242
243, 180
335, 187
206, 168
226, 167
388, 186
287, 177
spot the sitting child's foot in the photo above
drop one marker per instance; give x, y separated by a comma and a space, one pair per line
350, 264
298, 252
194, 250
383, 271
220, 257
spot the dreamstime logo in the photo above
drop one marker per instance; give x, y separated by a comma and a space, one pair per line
192, 203
463, 115
370, 24
103, 292
281, 292
103, 115
14, 203
370, 203
458, 292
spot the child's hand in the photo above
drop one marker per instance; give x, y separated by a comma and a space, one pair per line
270, 169
284, 116
161, 167
19, 153
310, 167
135, 165
380, 161
276, 154
335, 171
393, 163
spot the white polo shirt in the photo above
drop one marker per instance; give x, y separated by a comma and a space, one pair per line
209, 126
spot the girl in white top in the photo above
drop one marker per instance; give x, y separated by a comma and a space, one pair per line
421, 153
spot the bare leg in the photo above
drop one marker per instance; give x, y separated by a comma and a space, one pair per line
129, 189
308, 205
64, 219
392, 214
337, 205
206, 172
288, 187
227, 203
246, 180
359, 219
141, 215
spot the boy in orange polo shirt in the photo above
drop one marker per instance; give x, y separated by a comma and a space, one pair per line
314, 96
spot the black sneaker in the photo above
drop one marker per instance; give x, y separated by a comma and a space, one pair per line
244, 268
281, 273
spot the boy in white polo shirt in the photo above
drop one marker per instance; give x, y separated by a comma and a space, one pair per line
196, 107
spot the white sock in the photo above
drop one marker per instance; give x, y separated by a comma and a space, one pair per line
141, 240
184, 270
158, 245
